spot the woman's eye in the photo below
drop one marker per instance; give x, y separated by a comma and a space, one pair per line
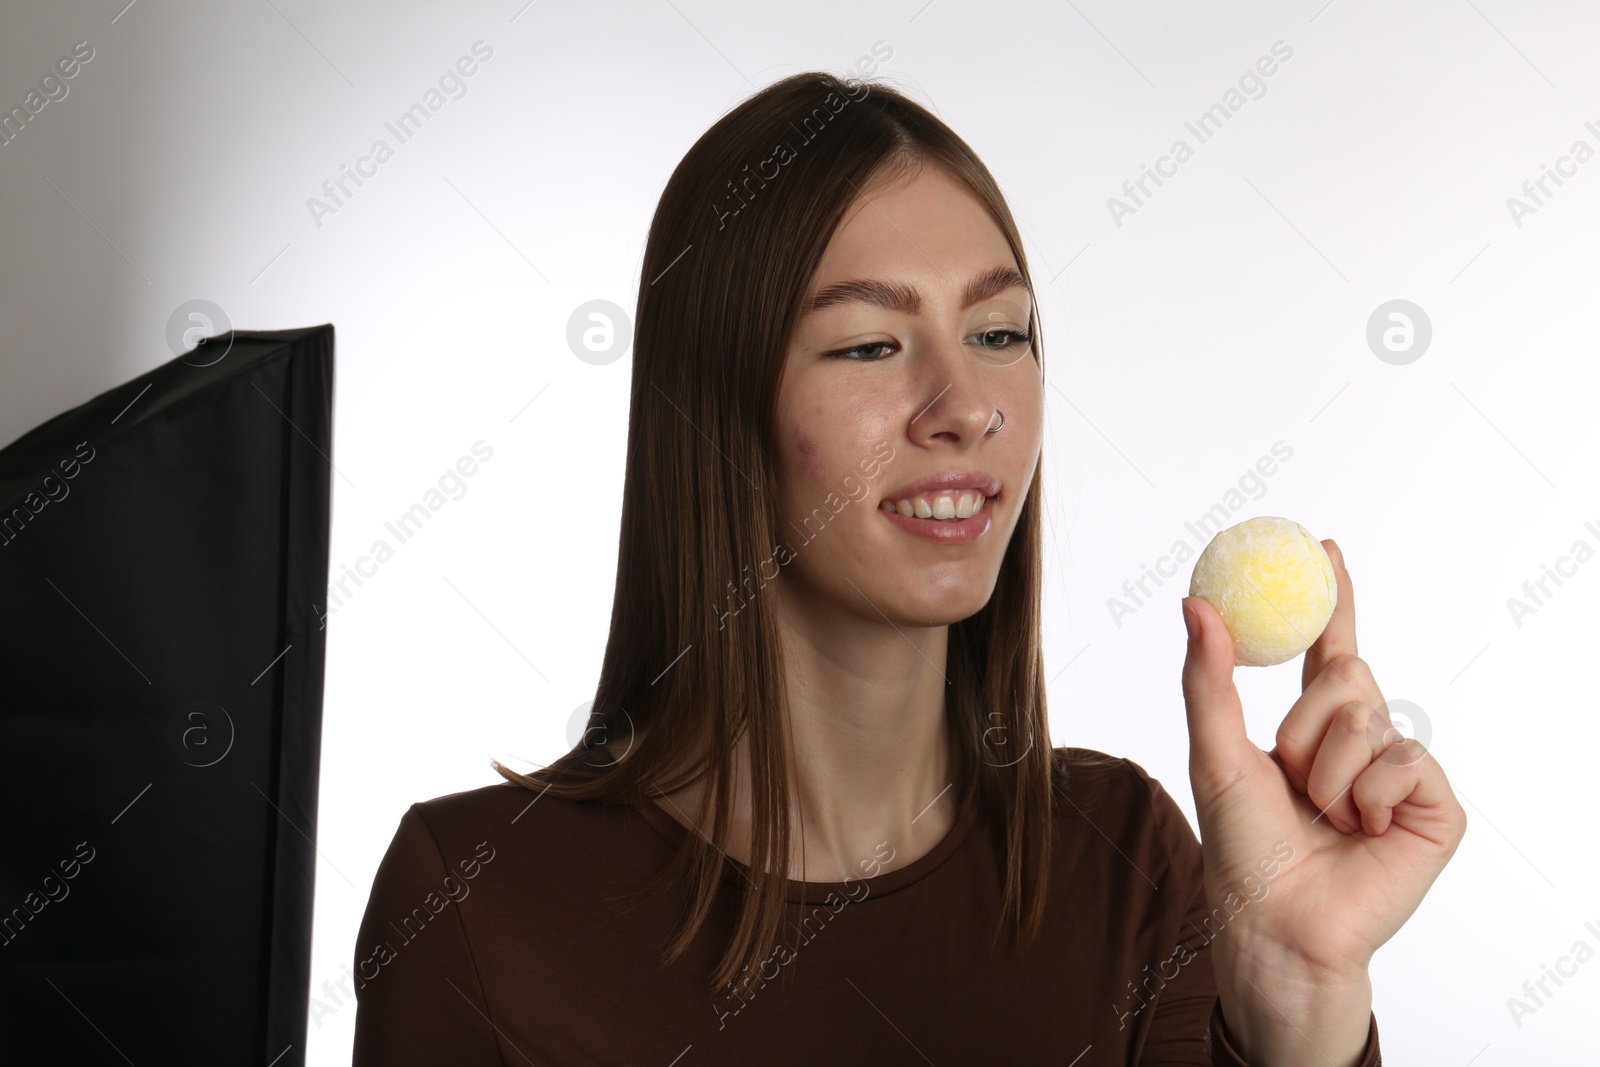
1008, 340
851, 352
1017, 340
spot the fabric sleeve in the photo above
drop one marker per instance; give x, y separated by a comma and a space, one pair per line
1223, 1054
419, 998
1187, 1027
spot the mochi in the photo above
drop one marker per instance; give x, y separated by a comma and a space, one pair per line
1273, 584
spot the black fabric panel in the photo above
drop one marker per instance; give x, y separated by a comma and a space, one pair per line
163, 559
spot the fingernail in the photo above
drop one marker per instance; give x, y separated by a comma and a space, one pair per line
1191, 621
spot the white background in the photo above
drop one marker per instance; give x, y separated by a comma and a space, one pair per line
1227, 313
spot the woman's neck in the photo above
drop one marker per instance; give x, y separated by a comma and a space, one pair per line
868, 743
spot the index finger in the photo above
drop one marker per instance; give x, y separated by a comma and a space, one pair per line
1339, 636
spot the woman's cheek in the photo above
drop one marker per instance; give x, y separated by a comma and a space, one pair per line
805, 446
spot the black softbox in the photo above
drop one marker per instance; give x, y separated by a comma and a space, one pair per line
163, 566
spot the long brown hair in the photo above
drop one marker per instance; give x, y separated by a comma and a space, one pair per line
689, 665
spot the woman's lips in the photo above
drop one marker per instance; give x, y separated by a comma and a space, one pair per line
946, 531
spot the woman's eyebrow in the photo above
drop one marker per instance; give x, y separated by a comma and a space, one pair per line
896, 296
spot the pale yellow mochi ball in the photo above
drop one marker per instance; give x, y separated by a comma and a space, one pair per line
1272, 583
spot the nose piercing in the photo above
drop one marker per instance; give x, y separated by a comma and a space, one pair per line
1002, 422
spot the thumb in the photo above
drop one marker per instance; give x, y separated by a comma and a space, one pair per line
1219, 749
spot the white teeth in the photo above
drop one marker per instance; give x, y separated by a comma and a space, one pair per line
961, 505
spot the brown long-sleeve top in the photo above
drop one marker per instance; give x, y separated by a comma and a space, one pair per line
491, 938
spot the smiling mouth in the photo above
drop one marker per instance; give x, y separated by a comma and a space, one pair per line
939, 507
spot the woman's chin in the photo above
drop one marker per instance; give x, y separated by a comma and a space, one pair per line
937, 610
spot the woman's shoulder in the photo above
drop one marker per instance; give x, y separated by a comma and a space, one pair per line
1102, 769
438, 833
506, 808
1073, 757
1122, 802
472, 805
528, 825
1095, 774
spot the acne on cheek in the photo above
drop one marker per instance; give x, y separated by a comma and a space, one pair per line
806, 447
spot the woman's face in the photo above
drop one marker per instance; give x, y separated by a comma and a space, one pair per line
931, 359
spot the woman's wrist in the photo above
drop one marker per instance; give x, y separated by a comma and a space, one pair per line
1280, 1013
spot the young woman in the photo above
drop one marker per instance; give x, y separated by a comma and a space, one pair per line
817, 817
